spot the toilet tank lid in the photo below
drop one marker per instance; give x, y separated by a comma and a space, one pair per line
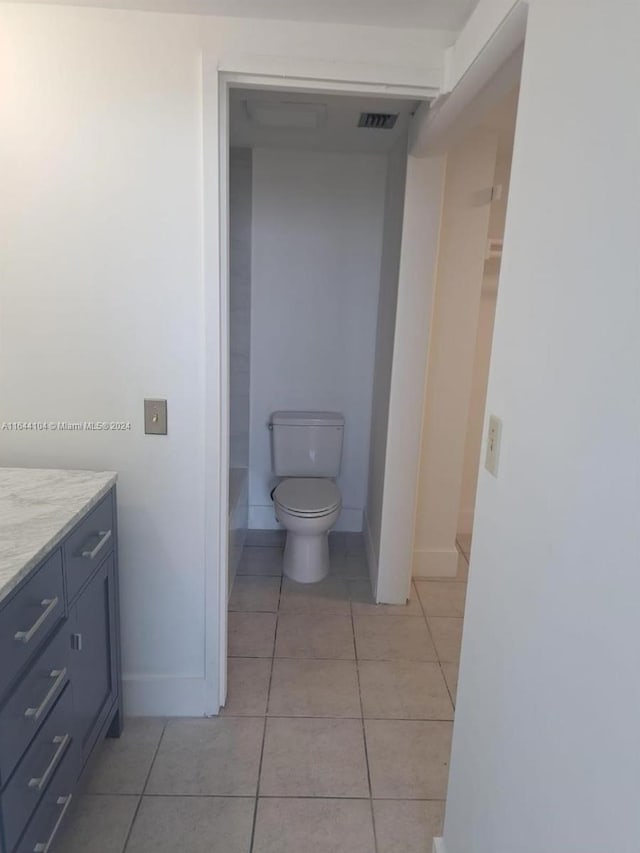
307, 419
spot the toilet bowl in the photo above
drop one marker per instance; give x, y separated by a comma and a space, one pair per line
307, 507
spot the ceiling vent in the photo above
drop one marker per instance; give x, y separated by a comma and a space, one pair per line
378, 121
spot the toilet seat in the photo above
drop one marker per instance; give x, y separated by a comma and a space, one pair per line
308, 497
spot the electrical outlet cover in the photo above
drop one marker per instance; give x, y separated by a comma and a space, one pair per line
493, 445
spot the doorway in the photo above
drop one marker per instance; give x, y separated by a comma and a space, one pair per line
217, 93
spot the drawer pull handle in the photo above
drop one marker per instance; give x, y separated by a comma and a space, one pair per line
104, 535
44, 847
49, 605
41, 781
59, 675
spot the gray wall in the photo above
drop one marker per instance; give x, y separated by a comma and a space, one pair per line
240, 167
317, 236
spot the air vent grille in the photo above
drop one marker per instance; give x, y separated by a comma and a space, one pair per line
378, 121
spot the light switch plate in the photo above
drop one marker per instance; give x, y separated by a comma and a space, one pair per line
155, 417
493, 445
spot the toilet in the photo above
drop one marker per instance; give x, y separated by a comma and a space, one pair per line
306, 452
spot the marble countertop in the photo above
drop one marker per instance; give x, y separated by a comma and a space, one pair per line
38, 507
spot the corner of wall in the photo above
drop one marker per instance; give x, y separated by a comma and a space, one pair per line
372, 556
432, 563
438, 846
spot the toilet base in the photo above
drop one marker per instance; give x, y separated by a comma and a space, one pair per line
306, 557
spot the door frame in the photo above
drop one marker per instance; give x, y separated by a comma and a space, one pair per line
216, 83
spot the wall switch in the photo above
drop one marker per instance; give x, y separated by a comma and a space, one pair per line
493, 445
155, 417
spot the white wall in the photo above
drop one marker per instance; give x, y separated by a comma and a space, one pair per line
462, 248
102, 289
477, 400
484, 338
546, 738
418, 254
317, 235
383, 361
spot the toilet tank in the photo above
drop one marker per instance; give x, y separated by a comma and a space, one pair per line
306, 444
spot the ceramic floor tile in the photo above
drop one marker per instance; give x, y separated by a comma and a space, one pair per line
393, 638
363, 604
122, 764
314, 688
442, 598
404, 690
327, 596
260, 561
265, 538
314, 758
346, 543
314, 826
251, 593
405, 826
251, 634
408, 759
247, 686
450, 671
353, 542
212, 757
193, 825
98, 824
447, 636
349, 566
320, 635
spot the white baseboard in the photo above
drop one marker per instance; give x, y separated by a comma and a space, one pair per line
465, 522
263, 518
159, 696
438, 845
372, 557
435, 564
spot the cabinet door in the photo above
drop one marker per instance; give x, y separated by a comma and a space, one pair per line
94, 659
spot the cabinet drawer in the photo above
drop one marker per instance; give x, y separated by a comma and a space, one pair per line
29, 618
49, 818
37, 768
88, 545
24, 712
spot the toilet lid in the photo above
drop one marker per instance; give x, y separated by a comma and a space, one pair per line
308, 495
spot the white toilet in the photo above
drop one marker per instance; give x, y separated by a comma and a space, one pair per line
306, 450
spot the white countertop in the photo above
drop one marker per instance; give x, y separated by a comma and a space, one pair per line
38, 507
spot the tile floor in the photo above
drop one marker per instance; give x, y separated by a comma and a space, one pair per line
335, 737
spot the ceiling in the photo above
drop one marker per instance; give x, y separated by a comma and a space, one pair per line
338, 127
427, 14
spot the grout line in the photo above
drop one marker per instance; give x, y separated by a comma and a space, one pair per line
332, 717
372, 660
264, 727
364, 734
439, 661
279, 797
144, 788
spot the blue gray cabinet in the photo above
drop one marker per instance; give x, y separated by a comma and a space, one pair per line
60, 688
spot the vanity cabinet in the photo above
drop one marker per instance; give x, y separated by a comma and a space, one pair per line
93, 662
60, 690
